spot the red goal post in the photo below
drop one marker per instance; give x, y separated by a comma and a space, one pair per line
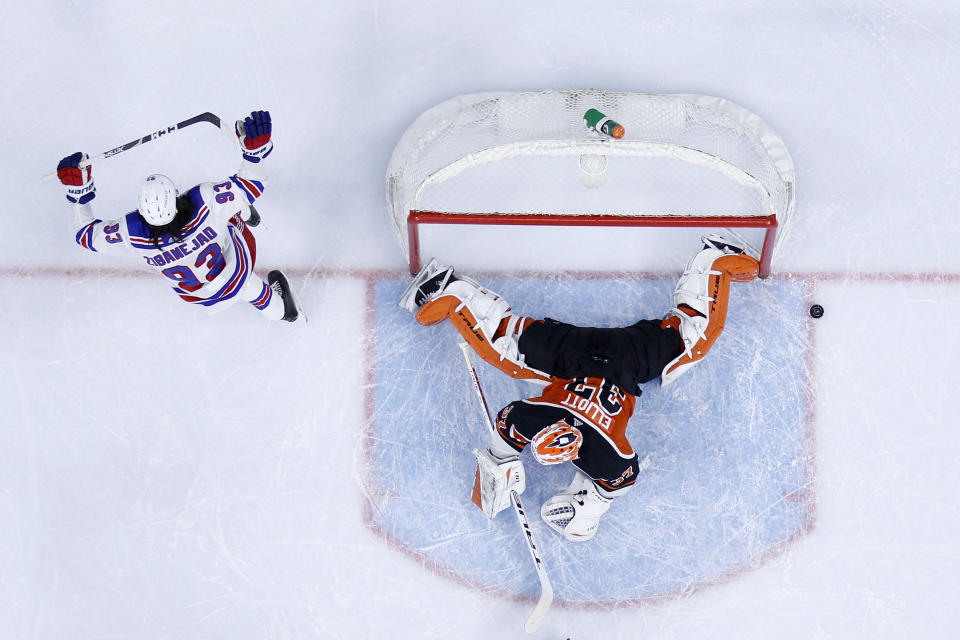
527, 158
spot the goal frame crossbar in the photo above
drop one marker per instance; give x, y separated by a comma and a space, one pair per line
416, 218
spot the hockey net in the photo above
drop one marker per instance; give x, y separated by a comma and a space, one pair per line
528, 158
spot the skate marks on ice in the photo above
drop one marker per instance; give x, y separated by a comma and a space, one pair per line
729, 447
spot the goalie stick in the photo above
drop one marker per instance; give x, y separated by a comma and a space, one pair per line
203, 117
546, 589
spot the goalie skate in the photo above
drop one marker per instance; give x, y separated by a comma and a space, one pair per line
481, 316
701, 299
428, 282
575, 512
291, 306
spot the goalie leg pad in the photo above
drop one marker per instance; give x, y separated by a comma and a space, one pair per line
477, 313
487, 308
701, 298
575, 512
698, 287
508, 344
496, 478
502, 353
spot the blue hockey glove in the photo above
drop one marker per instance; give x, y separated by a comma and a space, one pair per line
254, 135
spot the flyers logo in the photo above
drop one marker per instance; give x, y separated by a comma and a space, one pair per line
559, 442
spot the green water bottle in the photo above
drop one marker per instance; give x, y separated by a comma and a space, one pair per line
599, 122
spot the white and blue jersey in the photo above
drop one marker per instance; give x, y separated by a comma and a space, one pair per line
211, 262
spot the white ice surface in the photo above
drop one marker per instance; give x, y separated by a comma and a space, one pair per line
228, 504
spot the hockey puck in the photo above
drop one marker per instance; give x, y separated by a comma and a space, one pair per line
816, 311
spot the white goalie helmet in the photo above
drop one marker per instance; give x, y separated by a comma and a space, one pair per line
158, 200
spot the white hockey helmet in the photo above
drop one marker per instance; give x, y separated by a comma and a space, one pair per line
158, 200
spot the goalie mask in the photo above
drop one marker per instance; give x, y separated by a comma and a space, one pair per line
559, 442
158, 200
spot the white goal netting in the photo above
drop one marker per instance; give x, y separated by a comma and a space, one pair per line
683, 158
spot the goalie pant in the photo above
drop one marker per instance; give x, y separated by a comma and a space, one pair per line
626, 356
212, 263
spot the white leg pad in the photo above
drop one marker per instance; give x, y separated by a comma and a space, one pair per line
693, 329
486, 306
508, 345
704, 288
692, 289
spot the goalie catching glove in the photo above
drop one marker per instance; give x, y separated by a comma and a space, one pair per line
496, 479
254, 132
575, 512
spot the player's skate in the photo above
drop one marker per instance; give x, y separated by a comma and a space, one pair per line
575, 512
496, 478
254, 220
291, 306
701, 300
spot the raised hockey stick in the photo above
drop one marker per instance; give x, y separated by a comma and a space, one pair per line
203, 117
546, 589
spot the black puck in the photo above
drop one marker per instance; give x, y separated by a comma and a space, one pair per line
816, 311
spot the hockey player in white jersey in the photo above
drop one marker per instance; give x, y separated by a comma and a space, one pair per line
200, 240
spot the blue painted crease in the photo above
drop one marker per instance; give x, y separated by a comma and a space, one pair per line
727, 446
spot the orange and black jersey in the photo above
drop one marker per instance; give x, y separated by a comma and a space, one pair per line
596, 373
599, 409
601, 404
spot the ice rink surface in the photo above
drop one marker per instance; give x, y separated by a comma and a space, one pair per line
169, 474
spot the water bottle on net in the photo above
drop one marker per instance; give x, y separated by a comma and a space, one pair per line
603, 123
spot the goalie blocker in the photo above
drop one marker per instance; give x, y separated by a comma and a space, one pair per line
592, 377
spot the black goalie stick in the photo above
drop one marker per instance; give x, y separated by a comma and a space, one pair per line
546, 589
